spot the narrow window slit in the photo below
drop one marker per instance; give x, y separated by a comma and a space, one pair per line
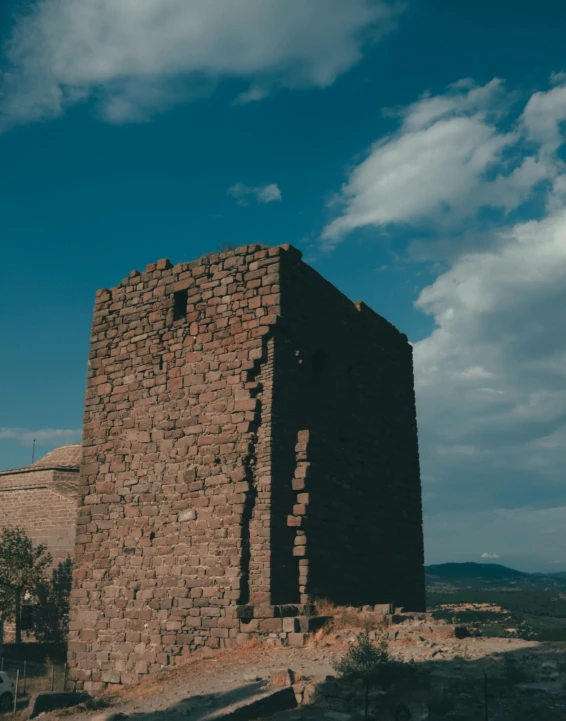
180, 298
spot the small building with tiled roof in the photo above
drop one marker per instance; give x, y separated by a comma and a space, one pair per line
42, 500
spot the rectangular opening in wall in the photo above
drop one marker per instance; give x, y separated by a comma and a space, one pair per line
180, 298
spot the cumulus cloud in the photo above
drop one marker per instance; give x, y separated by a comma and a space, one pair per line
448, 159
262, 194
41, 436
138, 58
491, 376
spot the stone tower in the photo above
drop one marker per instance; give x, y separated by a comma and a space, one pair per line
250, 444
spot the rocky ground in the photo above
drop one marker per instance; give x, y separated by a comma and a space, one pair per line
525, 680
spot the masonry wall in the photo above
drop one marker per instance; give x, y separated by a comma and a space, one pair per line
44, 504
176, 478
345, 433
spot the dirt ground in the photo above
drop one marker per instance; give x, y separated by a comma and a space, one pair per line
526, 680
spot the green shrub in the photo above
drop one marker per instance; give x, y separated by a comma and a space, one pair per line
368, 664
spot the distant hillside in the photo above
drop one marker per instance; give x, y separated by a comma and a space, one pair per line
454, 576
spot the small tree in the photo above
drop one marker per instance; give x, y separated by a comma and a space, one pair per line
51, 617
367, 663
22, 570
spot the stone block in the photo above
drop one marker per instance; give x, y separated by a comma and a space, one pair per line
291, 625
297, 639
110, 676
270, 625
383, 608
310, 624
264, 610
287, 610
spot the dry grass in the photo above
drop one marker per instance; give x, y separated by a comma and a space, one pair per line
313, 640
252, 644
194, 665
324, 607
346, 617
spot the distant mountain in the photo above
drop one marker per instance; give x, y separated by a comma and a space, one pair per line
452, 576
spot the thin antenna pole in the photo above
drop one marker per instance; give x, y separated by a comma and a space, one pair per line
33, 452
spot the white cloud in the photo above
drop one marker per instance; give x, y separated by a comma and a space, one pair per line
490, 555
268, 193
435, 169
542, 117
262, 194
132, 55
491, 376
41, 436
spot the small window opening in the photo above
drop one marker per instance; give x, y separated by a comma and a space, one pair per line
180, 298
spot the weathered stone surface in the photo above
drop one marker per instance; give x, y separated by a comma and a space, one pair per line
285, 677
383, 608
297, 639
291, 625
310, 624
249, 444
449, 630
263, 706
50, 701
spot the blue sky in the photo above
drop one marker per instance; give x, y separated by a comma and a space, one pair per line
413, 152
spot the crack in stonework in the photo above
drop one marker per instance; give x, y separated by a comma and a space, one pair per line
249, 464
300, 511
